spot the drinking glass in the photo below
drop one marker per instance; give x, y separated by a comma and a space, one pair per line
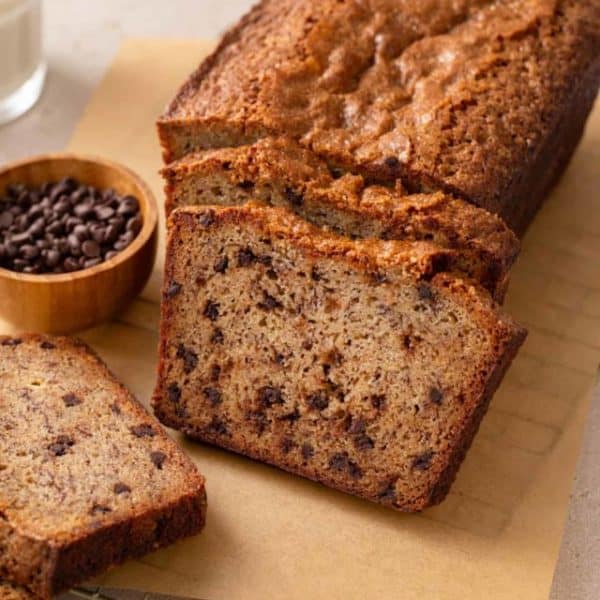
22, 67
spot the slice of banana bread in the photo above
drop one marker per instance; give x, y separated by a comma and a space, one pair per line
281, 172
485, 99
360, 364
88, 478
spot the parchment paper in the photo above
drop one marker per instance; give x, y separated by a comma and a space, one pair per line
273, 535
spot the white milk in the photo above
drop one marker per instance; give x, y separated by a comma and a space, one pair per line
22, 69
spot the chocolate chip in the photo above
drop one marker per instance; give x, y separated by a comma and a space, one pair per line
134, 225
103, 213
354, 470
128, 206
286, 445
221, 264
121, 488
211, 310
173, 289
392, 162
315, 275
435, 395
212, 395
61, 445
355, 425
91, 249
259, 420
341, 462
11, 341
158, 458
218, 426
189, 358
388, 493
422, 462
269, 396
269, 302
217, 337
100, 509
271, 274
91, 262
318, 400
307, 451
207, 218
246, 185
71, 400
379, 277
173, 392
292, 417
363, 442
45, 345
245, 257
6, 219
378, 400
143, 430
424, 292
295, 198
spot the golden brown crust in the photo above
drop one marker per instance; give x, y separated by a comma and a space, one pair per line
49, 551
421, 259
384, 258
460, 96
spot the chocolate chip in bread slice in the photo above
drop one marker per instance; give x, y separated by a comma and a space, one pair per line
88, 478
280, 172
361, 364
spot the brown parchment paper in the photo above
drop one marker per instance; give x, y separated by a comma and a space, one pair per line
273, 535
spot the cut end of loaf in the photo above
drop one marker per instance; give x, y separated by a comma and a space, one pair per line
338, 360
280, 172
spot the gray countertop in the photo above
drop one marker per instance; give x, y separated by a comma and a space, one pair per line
81, 40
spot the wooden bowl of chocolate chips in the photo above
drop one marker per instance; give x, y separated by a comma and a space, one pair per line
77, 241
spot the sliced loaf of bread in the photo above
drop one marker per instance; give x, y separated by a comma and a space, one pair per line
280, 172
88, 478
362, 364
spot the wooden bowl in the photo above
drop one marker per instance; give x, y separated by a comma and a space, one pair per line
63, 303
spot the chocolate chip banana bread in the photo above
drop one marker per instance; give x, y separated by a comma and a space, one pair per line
362, 364
88, 478
485, 99
280, 172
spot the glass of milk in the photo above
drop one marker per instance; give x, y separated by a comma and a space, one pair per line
22, 68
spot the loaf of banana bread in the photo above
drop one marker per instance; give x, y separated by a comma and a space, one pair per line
88, 479
281, 172
366, 365
485, 99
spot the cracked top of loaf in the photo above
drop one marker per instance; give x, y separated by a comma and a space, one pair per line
458, 95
